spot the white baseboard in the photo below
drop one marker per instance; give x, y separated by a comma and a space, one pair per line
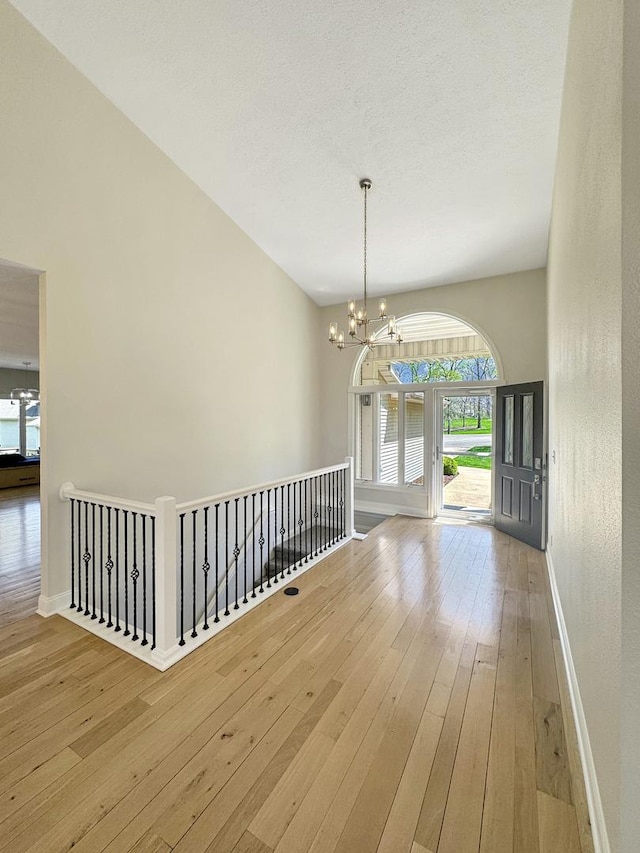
596, 813
49, 606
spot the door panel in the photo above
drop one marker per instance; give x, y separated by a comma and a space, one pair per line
519, 462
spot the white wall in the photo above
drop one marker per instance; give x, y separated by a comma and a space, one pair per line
593, 404
146, 388
509, 311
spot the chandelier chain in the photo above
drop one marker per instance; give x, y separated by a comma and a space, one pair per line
365, 188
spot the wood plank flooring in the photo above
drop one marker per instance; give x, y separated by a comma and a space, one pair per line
407, 701
19, 552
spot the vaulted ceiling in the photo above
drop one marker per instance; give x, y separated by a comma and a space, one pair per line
277, 107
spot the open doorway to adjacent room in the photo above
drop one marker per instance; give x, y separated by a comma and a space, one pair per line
20, 555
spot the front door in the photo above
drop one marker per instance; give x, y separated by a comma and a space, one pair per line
519, 463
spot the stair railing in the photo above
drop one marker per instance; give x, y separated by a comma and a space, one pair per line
159, 579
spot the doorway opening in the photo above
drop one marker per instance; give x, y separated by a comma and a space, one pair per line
408, 403
465, 445
20, 511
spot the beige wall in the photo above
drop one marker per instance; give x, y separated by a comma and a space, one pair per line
630, 653
10, 378
586, 307
148, 283
509, 311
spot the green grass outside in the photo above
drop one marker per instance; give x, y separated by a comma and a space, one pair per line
470, 427
473, 461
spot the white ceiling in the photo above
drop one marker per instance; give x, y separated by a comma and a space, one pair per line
18, 316
277, 107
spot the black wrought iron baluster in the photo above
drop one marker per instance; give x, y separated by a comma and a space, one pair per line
295, 536
334, 504
274, 565
79, 528
320, 532
245, 600
329, 513
306, 520
323, 514
314, 516
153, 581
205, 569
275, 535
86, 557
73, 555
268, 538
216, 618
135, 574
236, 552
253, 545
143, 521
288, 528
261, 542
334, 507
282, 532
331, 509
194, 513
327, 510
109, 566
226, 558
101, 620
300, 522
94, 615
336, 477
117, 628
182, 515
342, 505
329, 533
125, 516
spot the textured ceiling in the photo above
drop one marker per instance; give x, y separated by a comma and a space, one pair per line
277, 107
18, 316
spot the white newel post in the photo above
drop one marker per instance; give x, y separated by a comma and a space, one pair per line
350, 499
166, 572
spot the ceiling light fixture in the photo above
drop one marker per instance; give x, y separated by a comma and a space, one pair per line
357, 319
26, 395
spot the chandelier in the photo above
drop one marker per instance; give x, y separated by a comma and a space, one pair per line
358, 321
26, 395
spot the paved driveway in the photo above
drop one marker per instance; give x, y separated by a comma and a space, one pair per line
453, 444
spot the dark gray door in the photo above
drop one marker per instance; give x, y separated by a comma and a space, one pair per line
519, 462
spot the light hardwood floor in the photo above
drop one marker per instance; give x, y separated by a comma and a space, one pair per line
407, 701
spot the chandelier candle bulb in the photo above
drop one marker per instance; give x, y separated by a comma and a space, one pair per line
383, 309
351, 308
333, 331
352, 326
